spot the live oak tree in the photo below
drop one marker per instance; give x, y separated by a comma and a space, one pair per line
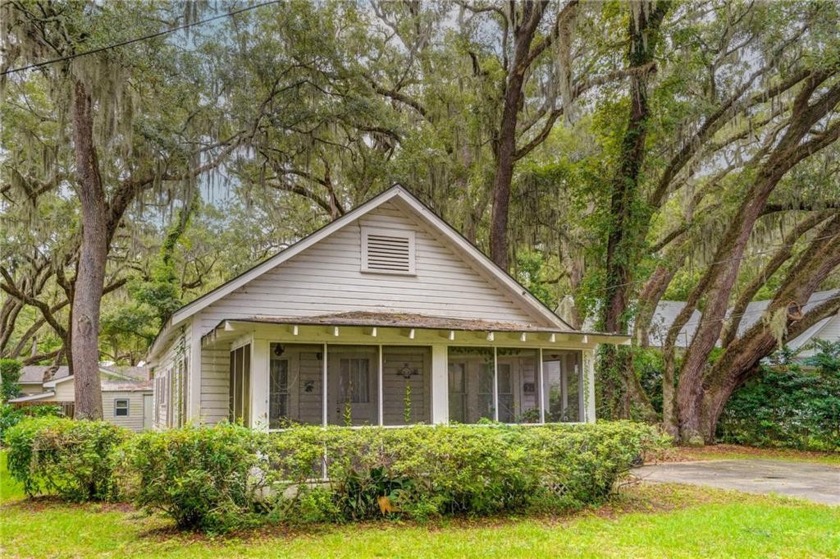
608, 154
135, 120
724, 80
625, 234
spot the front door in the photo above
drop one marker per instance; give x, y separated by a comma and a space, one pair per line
353, 378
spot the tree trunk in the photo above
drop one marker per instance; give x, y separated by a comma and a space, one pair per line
652, 292
90, 278
504, 148
627, 230
723, 273
8, 316
504, 173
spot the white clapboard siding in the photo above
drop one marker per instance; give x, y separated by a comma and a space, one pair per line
327, 279
830, 332
65, 391
134, 419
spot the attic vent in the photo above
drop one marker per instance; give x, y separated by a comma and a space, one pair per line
387, 251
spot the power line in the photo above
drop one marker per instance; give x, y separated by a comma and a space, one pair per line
138, 39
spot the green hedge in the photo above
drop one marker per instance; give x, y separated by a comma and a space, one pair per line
785, 408
223, 477
11, 415
204, 478
69, 458
789, 404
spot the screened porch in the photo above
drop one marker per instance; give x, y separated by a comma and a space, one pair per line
397, 385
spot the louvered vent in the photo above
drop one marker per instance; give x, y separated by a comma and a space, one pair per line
388, 252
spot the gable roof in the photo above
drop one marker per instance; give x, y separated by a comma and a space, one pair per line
667, 311
32, 398
34, 374
663, 318
396, 192
125, 372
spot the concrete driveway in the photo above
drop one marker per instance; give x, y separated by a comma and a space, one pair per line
814, 482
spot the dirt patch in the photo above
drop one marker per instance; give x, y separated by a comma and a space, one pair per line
731, 451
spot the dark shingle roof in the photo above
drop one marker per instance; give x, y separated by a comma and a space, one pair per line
37, 374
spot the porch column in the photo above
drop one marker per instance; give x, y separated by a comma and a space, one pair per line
588, 376
541, 391
259, 384
440, 384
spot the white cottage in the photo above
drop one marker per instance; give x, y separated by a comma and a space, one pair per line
126, 392
386, 316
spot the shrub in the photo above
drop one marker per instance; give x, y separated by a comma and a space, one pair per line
793, 408
788, 406
426, 471
62, 456
224, 477
11, 416
9, 377
205, 478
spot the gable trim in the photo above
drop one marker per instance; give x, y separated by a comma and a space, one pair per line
52, 383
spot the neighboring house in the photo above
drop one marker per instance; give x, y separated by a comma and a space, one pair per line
386, 316
126, 393
33, 377
664, 317
827, 329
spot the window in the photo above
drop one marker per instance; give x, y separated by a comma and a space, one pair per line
121, 408
388, 251
178, 390
563, 395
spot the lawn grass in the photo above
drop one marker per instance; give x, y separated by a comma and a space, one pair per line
737, 452
642, 521
9, 488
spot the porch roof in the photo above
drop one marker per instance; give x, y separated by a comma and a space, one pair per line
368, 319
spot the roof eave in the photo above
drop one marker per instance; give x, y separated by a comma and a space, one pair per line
584, 337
